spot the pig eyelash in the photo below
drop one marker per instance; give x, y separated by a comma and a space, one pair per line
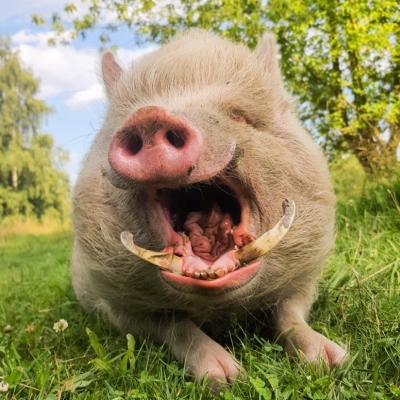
240, 116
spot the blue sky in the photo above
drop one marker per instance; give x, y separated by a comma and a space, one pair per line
69, 75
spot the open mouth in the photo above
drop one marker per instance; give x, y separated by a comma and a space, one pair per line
208, 230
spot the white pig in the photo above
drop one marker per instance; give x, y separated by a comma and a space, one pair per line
199, 148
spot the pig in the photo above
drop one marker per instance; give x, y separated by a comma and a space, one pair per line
199, 148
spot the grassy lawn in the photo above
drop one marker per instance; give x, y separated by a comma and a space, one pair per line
359, 305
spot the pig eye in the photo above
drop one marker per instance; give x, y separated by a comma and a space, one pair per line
240, 117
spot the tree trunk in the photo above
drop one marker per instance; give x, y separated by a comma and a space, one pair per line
393, 145
14, 178
14, 172
366, 143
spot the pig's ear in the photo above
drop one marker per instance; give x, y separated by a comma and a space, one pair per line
266, 53
111, 71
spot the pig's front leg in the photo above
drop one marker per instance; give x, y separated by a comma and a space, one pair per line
189, 344
202, 355
298, 337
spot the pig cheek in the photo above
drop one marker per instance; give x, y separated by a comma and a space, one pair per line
134, 211
157, 230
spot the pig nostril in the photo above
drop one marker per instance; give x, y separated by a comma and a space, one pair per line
177, 139
134, 144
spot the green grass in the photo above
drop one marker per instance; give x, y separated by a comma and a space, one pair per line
359, 305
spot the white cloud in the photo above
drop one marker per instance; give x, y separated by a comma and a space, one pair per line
24, 36
64, 70
85, 98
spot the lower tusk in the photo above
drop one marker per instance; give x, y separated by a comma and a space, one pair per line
165, 261
265, 243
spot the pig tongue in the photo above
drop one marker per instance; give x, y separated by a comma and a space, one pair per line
194, 266
210, 233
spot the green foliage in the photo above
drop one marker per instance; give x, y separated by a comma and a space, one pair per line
31, 184
243, 21
341, 59
348, 177
356, 189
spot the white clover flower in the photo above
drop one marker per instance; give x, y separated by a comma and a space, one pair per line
61, 325
3, 387
351, 202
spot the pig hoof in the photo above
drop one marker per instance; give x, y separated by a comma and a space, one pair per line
314, 347
217, 365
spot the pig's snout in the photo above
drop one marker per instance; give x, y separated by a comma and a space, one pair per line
155, 147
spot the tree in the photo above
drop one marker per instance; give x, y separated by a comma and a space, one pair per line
30, 182
340, 58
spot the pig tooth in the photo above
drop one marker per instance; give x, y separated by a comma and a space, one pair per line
255, 250
165, 261
212, 275
220, 272
185, 238
204, 275
196, 275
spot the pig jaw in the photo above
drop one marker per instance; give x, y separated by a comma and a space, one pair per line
201, 270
